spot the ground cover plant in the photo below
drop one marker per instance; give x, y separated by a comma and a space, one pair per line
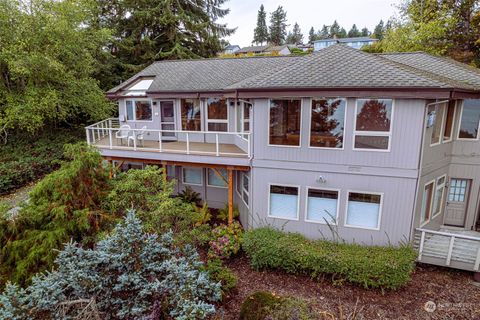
129, 274
26, 158
367, 266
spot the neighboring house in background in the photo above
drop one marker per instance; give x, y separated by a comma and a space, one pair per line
231, 49
381, 148
357, 42
267, 49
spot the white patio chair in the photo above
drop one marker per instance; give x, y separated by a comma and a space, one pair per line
139, 136
123, 133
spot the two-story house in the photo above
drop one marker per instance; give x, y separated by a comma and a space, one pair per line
375, 149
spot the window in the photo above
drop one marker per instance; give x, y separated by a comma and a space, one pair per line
243, 182
449, 121
190, 110
470, 120
243, 118
139, 110
170, 170
283, 202
458, 190
327, 123
285, 122
363, 210
438, 198
192, 176
217, 115
322, 206
436, 110
427, 202
373, 124
215, 181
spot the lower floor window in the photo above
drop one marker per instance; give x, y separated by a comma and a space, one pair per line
215, 181
283, 202
192, 176
170, 170
243, 183
363, 210
322, 206
438, 199
427, 202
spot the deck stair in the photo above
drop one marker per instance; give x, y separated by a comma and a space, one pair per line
458, 249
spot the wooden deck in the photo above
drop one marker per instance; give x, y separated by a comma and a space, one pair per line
198, 148
458, 249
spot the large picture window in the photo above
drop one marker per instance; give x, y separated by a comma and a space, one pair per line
217, 115
190, 110
138, 110
283, 202
470, 120
215, 181
373, 124
285, 122
427, 199
322, 206
363, 210
327, 123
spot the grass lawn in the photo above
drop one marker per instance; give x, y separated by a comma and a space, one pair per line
455, 294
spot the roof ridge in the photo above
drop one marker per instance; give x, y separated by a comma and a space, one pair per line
225, 58
398, 52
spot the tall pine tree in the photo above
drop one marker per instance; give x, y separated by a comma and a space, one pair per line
311, 35
354, 32
365, 32
296, 36
379, 31
278, 26
260, 34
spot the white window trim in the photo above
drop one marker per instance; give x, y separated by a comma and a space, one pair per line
239, 192
298, 201
380, 210
188, 183
211, 185
310, 125
453, 123
301, 124
208, 120
135, 107
442, 128
436, 187
241, 131
460, 126
338, 205
431, 203
373, 133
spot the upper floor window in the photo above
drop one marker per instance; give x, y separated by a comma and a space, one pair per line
373, 124
190, 110
139, 110
438, 110
285, 122
470, 120
327, 123
449, 121
217, 114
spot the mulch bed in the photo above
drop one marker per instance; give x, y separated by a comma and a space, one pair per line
454, 293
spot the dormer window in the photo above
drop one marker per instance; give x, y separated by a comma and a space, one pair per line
139, 88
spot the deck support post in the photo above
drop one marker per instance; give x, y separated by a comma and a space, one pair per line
230, 196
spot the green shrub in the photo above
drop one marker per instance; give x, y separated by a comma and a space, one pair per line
265, 305
188, 195
220, 273
26, 158
223, 213
371, 267
227, 240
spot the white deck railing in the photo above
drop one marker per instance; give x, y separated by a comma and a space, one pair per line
104, 134
449, 246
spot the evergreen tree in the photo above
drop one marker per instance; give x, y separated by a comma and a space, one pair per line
324, 33
296, 36
354, 32
334, 30
365, 32
379, 31
342, 33
260, 34
311, 35
278, 26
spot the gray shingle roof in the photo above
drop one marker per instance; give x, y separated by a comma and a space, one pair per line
337, 66
444, 67
340, 66
343, 40
253, 49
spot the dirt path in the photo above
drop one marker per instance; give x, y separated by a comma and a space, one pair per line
19, 195
454, 293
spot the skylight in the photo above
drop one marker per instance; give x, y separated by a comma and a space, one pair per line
139, 88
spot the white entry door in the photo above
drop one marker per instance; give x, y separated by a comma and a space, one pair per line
167, 119
458, 192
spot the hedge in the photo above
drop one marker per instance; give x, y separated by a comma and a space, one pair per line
369, 266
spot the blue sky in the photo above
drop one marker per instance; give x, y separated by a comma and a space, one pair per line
308, 13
